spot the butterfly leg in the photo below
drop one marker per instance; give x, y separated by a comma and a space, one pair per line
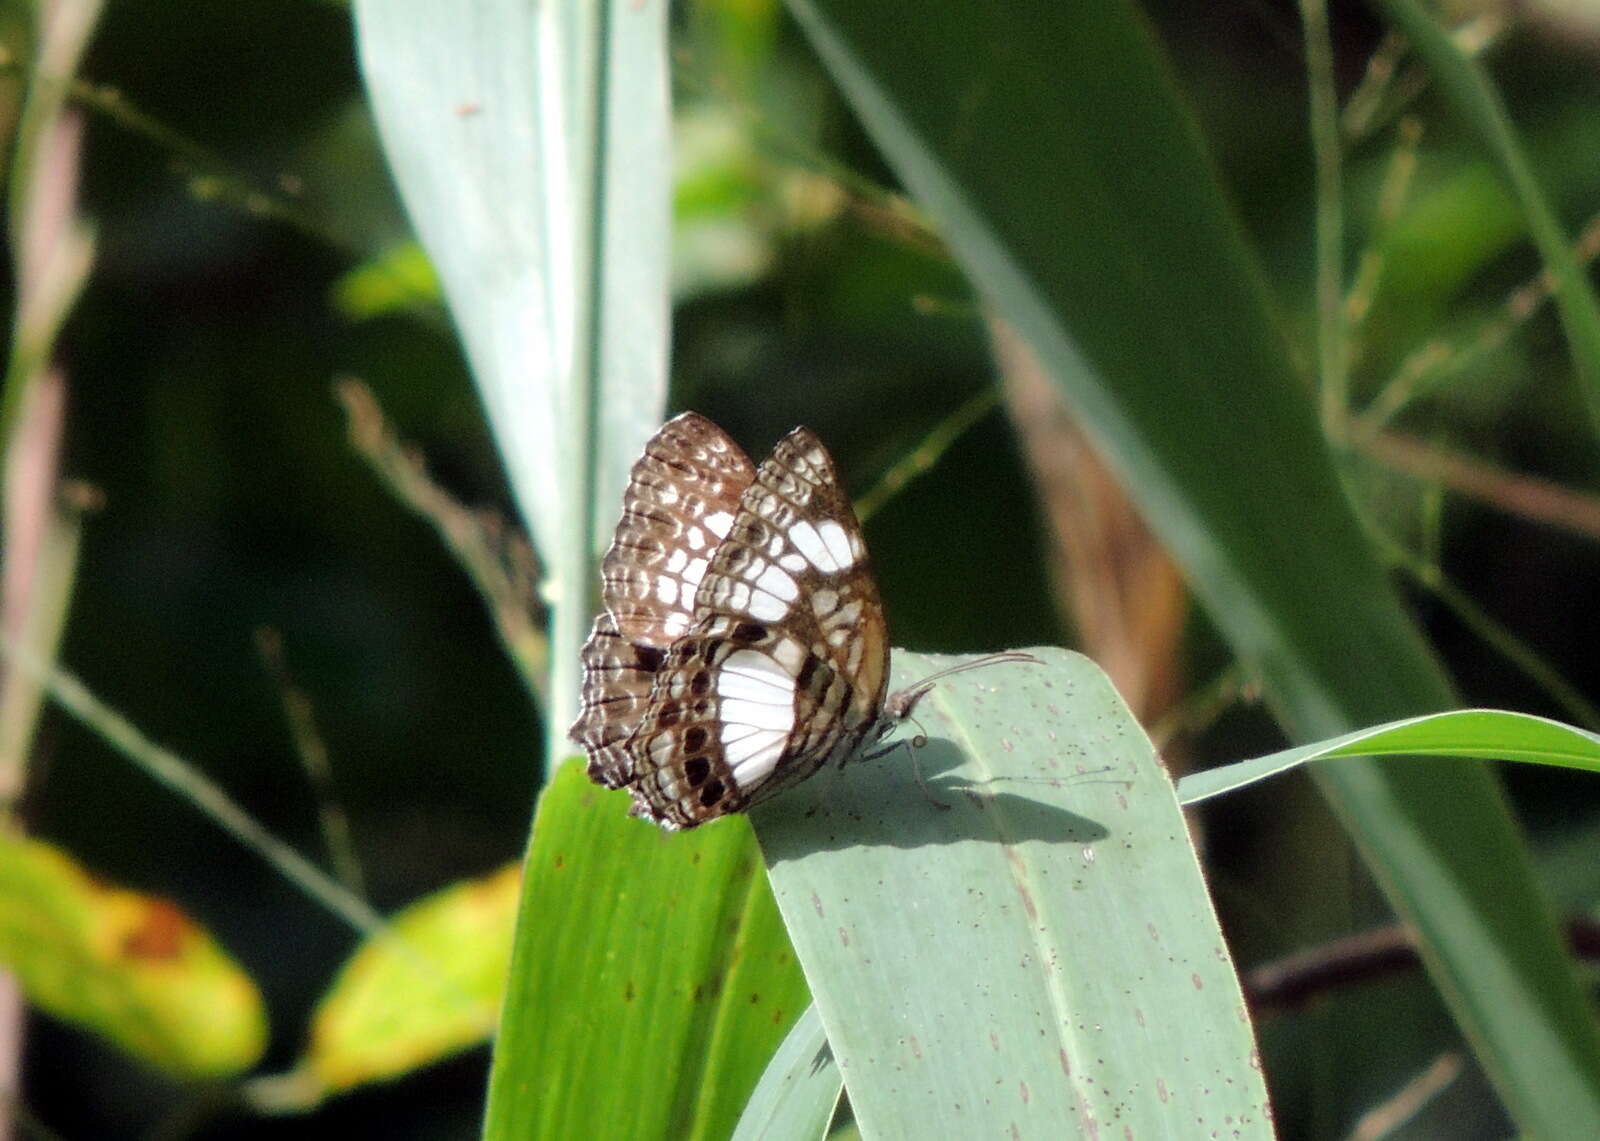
916, 767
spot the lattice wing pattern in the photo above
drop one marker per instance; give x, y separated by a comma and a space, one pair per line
617, 678
785, 667
682, 498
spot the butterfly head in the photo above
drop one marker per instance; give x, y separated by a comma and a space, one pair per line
900, 704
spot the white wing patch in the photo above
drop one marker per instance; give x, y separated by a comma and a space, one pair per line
757, 713
838, 544
765, 608
811, 544
753, 756
756, 691
774, 581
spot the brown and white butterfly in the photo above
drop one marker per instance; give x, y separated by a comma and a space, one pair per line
742, 646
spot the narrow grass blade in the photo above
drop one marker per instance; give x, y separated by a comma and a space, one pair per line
650, 978
1481, 733
1040, 958
799, 1091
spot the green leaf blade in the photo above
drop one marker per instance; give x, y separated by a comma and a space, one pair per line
1489, 734
650, 979
1042, 954
530, 144
798, 1092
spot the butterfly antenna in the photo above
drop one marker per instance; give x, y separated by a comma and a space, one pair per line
980, 663
901, 703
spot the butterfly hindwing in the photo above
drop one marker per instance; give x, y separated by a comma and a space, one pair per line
617, 679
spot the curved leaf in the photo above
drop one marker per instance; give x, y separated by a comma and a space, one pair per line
428, 986
131, 967
1038, 959
1483, 733
798, 1093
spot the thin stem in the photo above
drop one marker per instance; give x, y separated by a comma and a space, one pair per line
183, 778
1521, 496
926, 455
1499, 638
1361, 110
496, 557
1397, 178
1388, 1117
1436, 362
301, 718
1201, 709
1491, 632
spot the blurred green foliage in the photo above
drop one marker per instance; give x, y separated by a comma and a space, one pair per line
250, 249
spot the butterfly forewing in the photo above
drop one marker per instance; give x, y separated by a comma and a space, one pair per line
682, 497
785, 665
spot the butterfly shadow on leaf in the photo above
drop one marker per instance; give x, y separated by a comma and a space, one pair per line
879, 802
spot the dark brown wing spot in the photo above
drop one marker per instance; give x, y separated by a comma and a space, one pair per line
696, 769
695, 740
650, 657
700, 683
807, 672
711, 794
749, 632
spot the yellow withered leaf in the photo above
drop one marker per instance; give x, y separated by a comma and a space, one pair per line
132, 968
428, 987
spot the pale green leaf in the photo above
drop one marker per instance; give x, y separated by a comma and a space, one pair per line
529, 142
1039, 958
1051, 147
799, 1091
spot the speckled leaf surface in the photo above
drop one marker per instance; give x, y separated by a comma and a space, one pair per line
1039, 959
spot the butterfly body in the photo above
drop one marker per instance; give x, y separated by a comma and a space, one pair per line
742, 646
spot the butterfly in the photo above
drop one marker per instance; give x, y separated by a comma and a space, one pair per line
742, 645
